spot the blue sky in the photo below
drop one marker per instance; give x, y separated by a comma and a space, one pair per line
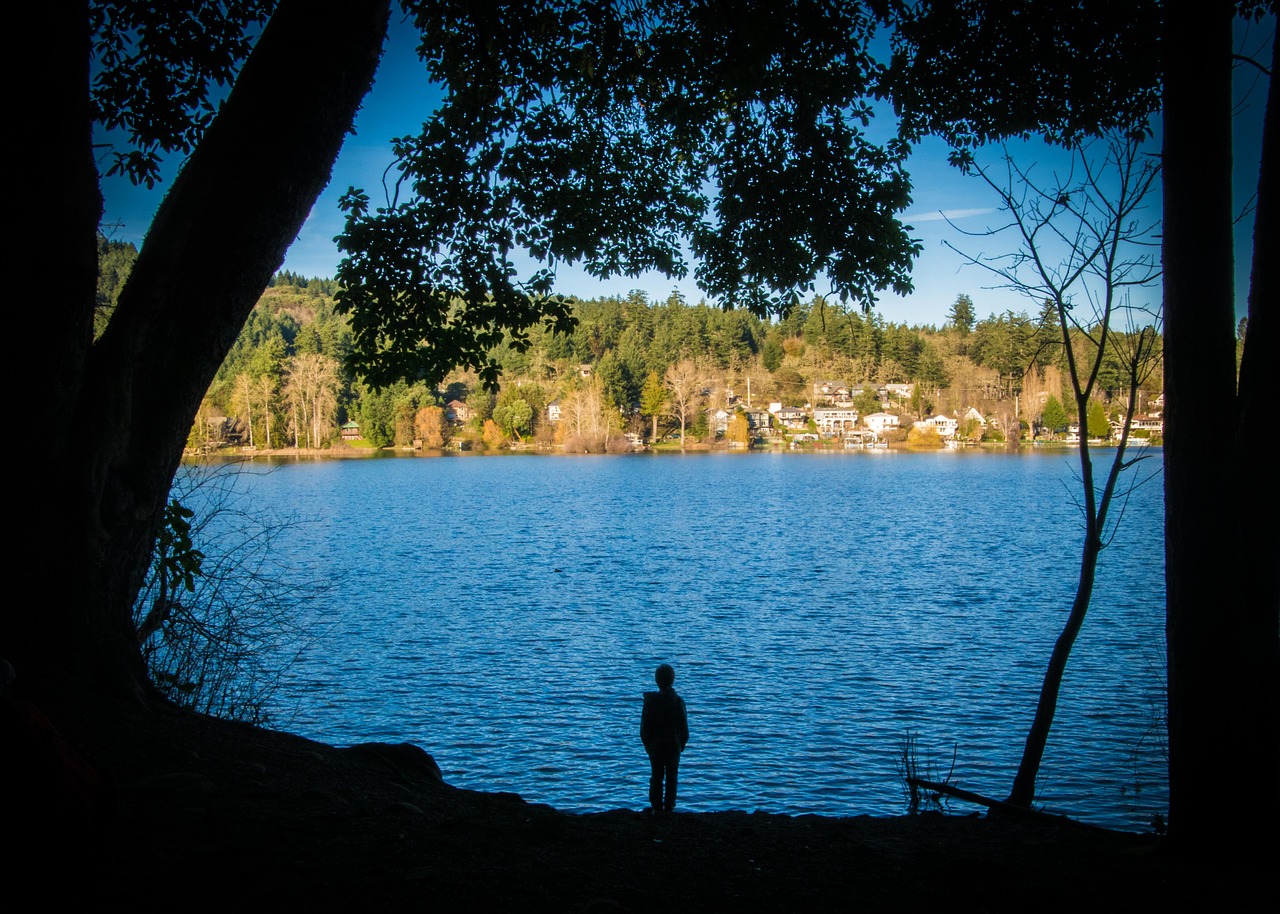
402, 98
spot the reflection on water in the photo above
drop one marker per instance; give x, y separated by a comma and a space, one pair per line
506, 613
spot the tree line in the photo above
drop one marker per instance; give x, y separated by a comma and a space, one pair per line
626, 364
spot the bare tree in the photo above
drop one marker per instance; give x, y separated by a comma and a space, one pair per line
587, 420
242, 400
217, 618
684, 383
312, 388
266, 392
1085, 245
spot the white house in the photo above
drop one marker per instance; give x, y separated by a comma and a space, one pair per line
880, 422
974, 416
1148, 425
944, 426
836, 420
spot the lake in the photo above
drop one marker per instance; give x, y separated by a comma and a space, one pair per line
505, 613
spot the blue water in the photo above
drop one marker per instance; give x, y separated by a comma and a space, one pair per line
505, 613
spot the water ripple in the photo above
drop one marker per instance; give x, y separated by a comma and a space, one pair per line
506, 614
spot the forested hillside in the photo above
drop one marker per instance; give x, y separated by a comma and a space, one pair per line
629, 362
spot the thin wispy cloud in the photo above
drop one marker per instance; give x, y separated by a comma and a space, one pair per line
950, 215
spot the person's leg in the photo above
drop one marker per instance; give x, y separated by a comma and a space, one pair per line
672, 772
655, 782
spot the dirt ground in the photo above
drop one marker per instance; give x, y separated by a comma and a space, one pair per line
200, 814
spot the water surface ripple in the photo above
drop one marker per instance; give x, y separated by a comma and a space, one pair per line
505, 613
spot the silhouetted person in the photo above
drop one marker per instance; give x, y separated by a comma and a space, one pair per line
664, 730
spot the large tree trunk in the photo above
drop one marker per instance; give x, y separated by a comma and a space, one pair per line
1219, 515
121, 408
1259, 495
54, 260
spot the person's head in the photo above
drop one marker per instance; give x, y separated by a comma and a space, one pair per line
664, 676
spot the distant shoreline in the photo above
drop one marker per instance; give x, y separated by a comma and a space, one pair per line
347, 452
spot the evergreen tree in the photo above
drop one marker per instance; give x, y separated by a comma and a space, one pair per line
1054, 416
1098, 425
653, 400
772, 353
961, 317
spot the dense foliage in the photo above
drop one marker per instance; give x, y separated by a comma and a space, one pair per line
624, 138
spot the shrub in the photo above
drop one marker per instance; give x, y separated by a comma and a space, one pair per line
924, 438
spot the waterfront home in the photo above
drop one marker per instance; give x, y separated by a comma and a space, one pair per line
553, 411
790, 416
835, 420
943, 425
350, 431
1149, 426
880, 422
457, 412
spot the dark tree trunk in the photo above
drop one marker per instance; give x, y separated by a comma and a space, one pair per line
54, 263
1023, 792
121, 408
1219, 510
1259, 493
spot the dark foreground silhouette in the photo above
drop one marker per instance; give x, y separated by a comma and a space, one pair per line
210, 815
664, 730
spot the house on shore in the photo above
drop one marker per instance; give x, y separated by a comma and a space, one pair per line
881, 422
760, 421
458, 412
834, 421
789, 416
943, 425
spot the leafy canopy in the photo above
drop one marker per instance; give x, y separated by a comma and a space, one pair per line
624, 137
974, 71
154, 67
